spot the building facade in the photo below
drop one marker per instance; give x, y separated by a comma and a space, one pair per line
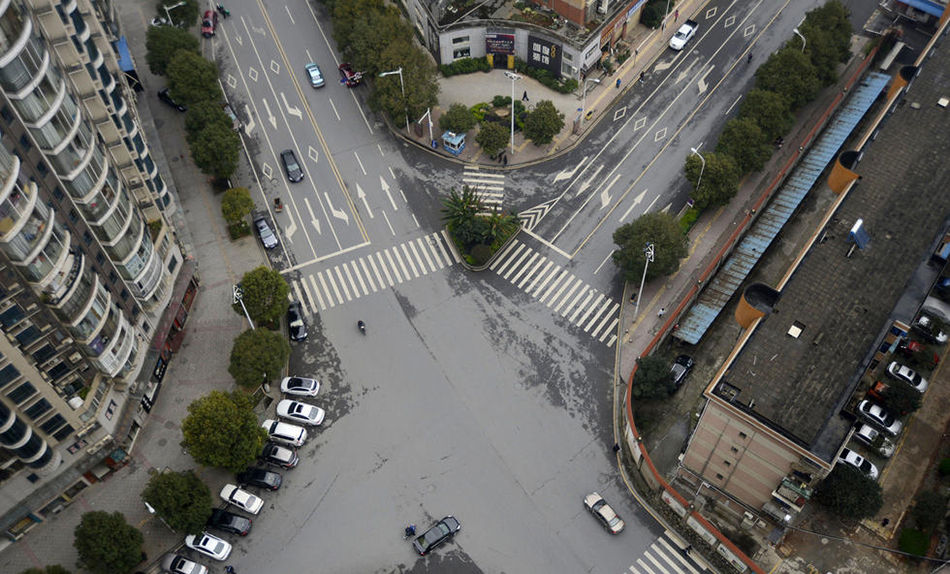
88, 260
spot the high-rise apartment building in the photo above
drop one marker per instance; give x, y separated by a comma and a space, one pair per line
88, 261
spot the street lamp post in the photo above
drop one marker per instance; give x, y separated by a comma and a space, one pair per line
702, 169
168, 10
584, 99
402, 87
238, 295
666, 14
800, 35
513, 77
648, 259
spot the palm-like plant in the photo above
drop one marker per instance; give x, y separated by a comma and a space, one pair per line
460, 209
501, 226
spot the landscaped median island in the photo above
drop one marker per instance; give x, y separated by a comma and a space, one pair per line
477, 234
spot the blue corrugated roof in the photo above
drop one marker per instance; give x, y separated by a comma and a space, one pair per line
125, 58
730, 276
928, 6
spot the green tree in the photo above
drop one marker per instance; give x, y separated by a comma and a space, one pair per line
265, 295
460, 208
543, 123
769, 111
928, 510
179, 498
221, 430
203, 114
216, 150
493, 137
419, 80
372, 35
107, 544
258, 356
163, 42
746, 143
458, 118
847, 492
347, 17
790, 73
827, 30
53, 569
185, 15
720, 179
499, 227
900, 398
236, 204
669, 246
192, 79
652, 379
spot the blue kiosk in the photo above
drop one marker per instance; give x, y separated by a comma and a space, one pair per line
453, 143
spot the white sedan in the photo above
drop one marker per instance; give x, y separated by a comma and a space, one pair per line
908, 375
241, 498
300, 412
209, 545
848, 456
300, 386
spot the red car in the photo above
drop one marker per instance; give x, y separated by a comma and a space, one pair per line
208, 23
348, 77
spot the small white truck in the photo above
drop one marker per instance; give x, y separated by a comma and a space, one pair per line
683, 35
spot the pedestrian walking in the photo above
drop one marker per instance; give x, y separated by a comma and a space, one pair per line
661, 312
506, 160
643, 74
229, 569
524, 97
676, 15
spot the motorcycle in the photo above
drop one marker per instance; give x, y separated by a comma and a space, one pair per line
362, 326
224, 11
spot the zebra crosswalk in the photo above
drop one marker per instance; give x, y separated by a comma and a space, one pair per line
489, 187
582, 305
666, 556
373, 272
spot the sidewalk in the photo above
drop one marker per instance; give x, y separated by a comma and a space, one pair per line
201, 364
471, 89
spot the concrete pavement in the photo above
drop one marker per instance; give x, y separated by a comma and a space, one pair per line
201, 364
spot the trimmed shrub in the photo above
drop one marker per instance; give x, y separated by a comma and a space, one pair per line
546, 78
465, 66
501, 101
914, 542
689, 218
944, 468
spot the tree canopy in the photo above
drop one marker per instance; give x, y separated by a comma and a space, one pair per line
52, 569
827, 30
769, 111
458, 118
265, 295
163, 42
669, 246
185, 15
493, 137
258, 356
790, 73
900, 398
216, 150
181, 499
744, 141
543, 123
107, 544
419, 81
652, 379
203, 114
847, 492
720, 179
192, 79
236, 204
221, 430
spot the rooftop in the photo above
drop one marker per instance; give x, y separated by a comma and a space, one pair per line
843, 305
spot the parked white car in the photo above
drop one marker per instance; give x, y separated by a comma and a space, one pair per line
908, 375
868, 435
848, 456
285, 432
209, 545
300, 412
241, 498
877, 415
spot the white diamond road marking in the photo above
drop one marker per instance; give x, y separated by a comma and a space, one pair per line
590, 310
371, 273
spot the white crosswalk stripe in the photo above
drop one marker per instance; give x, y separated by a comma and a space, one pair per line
488, 186
594, 312
664, 557
372, 273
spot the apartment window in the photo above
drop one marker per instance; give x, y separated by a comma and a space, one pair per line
460, 40
135, 312
29, 335
87, 237
734, 449
125, 294
50, 426
21, 393
172, 264
74, 217
37, 409
6, 114
11, 316
113, 277
727, 463
100, 258
58, 371
58, 193
41, 168
44, 353
33, 477
25, 143
718, 476
465, 52
742, 435
64, 432
8, 374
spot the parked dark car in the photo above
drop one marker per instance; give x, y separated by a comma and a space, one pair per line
261, 478
291, 167
681, 367
295, 322
942, 288
437, 534
229, 522
165, 97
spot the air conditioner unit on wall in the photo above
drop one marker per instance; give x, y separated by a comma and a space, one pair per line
604, 5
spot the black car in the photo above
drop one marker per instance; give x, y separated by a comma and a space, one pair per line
164, 96
229, 522
298, 329
681, 367
260, 477
439, 533
289, 159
